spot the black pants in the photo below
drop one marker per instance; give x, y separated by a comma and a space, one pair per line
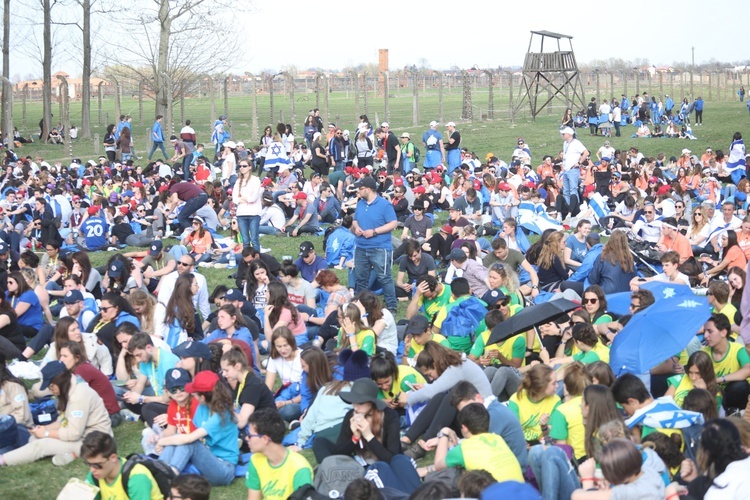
437, 414
148, 411
42, 338
699, 116
9, 349
440, 248
735, 394
324, 442
576, 286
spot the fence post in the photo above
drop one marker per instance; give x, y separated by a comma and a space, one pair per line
415, 98
661, 84
141, 89
253, 106
440, 95
327, 88
182, 101
364, 95
710, 89
99, 99
598, 90
226, 95
611, 84
637, 81
212, 98
650, 78
491, 97
467, 112
624, 82
386, 91
510, 98
24, 96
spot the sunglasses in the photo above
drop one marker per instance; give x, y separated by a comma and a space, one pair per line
186, 264
590, 301
635, 306
105, 309
97, 466
176, 390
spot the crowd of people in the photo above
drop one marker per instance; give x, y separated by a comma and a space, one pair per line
237, 380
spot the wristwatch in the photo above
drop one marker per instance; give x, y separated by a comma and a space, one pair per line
442, 434
535, 287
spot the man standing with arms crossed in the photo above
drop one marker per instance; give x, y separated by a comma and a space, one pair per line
574, 153
374, 220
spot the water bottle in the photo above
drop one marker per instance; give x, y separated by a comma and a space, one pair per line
232, 260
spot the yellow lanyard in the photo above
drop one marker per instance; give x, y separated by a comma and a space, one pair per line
100, 325
240, 388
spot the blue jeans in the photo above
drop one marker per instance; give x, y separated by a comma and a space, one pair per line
570, 183
250, 230
399, 474
379, 260
268, 230
218, 472
191, 206
553, 471
158, 145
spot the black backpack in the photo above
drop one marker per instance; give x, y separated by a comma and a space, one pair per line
160, 470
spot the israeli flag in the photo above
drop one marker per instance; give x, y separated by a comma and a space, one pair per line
736, 161
663, 413
534, 221
598, 204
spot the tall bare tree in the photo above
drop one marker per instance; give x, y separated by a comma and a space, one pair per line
175, 41
7, 111
47, 70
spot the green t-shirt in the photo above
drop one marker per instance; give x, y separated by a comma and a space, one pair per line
430, 307
459, 344
141, 485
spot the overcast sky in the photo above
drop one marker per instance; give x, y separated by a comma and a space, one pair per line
486, 33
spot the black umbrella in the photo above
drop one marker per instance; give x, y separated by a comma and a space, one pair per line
529, 318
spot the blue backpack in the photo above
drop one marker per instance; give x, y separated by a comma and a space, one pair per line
464, 318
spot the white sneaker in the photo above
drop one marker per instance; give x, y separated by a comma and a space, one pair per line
205, 264
63, 459
264, 250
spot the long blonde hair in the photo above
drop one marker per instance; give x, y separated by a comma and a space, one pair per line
148, 301
617, 252
550, 250
695, 227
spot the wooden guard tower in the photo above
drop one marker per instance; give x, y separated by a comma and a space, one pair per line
550, 75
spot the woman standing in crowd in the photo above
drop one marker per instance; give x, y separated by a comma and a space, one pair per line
247, 197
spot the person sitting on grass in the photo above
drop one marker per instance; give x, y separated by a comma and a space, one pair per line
480, 449
418, 332
249, 393
670, 262
212, 447
99, 453
534, 402
81, 412
274, 472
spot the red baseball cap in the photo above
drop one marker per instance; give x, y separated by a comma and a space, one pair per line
398, 182
94, 209
300, 196
504, 186
266, 182
204, 381
663, 190
653, 180
447, 229
419, 190
477, 184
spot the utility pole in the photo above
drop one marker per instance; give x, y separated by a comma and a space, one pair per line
692, 74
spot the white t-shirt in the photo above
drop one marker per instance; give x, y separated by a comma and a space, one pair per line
288, 371
680, 279
572, 152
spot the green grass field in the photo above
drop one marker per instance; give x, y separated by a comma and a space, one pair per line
42, 480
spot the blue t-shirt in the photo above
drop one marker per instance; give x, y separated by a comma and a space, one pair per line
310, 210
309, 271
432, 143
94, 231
222, 433
371, 216
578, 249
157, 375
33, 315
241, 333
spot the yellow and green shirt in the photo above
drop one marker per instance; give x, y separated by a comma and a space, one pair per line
599, 352
415, 349
514, 347
529, 413
566, 424
489, 452
407, 376
365, 340
735, 358
683, 385
430, 307
278, 483
728, 310
141, 484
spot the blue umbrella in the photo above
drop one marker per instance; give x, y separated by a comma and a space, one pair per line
619, 303
656, 333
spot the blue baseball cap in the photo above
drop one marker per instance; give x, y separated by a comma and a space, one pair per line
50, 371
116, 268
177, 377
72, 296
192, 349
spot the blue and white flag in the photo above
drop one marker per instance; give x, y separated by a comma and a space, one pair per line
663, 413
736, 161
599, 205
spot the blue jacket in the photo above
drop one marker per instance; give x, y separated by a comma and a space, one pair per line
610, 276
582, 273
157, 135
